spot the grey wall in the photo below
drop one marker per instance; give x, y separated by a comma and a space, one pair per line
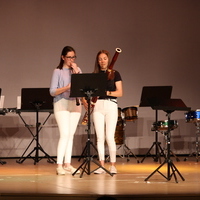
160, 46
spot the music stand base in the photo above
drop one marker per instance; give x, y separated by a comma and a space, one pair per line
171, 166
86, 165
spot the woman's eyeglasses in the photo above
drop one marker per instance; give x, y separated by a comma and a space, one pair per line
70, 57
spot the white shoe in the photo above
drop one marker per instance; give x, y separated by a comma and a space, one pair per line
60, 171
71, 170
99, 171
113, 170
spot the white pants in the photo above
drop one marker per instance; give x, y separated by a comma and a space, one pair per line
105, 117
67, 115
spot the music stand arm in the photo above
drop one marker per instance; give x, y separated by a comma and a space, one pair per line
89, 117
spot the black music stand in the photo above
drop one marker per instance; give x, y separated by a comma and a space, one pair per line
169, 106
88, 85
36, 100
2, 113
152, 96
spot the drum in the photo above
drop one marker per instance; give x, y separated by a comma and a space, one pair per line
119, 133
163, 125
130, 113
119, 114
193, 116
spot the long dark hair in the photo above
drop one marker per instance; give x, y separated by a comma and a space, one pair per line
64, 52
97, 68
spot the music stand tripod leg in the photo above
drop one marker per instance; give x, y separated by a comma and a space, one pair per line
84, 152
50, 159
2, 162
174, 170
157, 170
159, 152
22, 158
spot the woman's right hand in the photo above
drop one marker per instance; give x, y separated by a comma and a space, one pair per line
85, 104
68, 86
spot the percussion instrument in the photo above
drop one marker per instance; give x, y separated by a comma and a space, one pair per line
130, 113
193, 116
163, 125
119, 114
119, 133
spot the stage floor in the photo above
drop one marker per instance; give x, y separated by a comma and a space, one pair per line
29, 181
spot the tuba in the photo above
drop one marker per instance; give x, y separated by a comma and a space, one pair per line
110, 73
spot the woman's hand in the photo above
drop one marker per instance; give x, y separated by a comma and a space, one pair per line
75, 68
85, 104
63, 89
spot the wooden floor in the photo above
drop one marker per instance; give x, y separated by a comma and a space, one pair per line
29, 181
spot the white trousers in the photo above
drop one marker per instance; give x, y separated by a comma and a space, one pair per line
67, 115
105, 117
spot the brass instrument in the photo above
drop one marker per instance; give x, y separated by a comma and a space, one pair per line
110, 73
